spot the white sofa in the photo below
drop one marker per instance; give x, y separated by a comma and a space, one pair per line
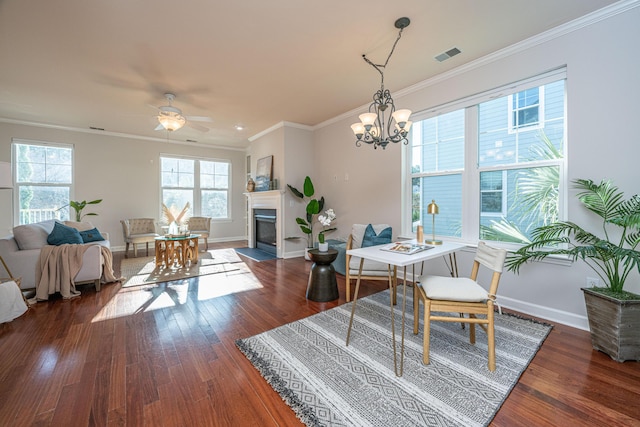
21, 251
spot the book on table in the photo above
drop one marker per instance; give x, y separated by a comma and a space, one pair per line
407, 248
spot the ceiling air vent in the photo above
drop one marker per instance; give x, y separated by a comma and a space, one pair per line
448, 54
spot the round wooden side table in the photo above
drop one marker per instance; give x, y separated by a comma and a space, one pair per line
322, 286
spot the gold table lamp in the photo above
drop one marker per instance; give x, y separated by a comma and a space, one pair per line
433, 210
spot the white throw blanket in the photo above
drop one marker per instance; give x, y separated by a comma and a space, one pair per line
59, 265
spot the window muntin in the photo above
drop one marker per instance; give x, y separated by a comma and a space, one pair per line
43, 181
512, 178
492, 202
526, 108
204, 184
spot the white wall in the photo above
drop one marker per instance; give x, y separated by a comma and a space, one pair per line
602, 102
124, 172
292, 148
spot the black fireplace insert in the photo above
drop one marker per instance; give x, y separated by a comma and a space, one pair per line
265, 230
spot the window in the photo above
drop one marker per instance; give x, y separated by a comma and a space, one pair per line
204, 184
494, 163
492, 201
526, 109
43, 181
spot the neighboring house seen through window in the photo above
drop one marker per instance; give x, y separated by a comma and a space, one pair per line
494, 163
43, 181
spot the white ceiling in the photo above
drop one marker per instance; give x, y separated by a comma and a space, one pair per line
82, 63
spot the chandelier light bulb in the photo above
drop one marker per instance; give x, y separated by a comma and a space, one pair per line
401, 117
358, 129
368, 119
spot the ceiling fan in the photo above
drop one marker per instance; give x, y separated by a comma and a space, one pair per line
172, 119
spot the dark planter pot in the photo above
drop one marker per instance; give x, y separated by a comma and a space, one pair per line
614, 325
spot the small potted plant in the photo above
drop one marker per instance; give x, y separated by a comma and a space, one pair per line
325, 221
614, 314
79, 206
314, 207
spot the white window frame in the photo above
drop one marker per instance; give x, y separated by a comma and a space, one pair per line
503, 208
471, 171
17, 185
196, 208
513, 128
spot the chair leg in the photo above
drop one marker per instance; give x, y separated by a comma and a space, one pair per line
147, 243
126, 250
472, 330
416, 309
135, 250
491, 339
427, 332
206, 243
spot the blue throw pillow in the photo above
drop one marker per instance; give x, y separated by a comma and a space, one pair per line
62, 234
92, 235
372, 239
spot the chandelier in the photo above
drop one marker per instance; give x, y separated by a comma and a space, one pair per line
377, 127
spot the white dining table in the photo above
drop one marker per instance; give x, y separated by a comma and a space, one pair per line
378, 253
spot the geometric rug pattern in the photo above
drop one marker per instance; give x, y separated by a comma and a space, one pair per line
328, 383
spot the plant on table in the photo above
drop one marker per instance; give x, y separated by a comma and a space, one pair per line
175, 218
325, 221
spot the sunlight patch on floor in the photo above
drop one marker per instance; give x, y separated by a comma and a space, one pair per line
149, 297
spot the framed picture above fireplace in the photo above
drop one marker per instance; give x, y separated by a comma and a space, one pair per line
264, 173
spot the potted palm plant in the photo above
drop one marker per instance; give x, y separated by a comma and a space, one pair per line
613, 313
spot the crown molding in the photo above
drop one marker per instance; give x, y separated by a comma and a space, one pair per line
116, 134
278, 126
592, 18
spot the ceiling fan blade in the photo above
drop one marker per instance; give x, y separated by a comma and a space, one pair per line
199, 118
198, 127
159, 127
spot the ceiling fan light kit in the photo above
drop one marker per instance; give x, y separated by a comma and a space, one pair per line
171, 118
171, 121
373, 127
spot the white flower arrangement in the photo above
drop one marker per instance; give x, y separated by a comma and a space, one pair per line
325, 221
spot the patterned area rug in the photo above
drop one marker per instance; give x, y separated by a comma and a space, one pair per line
143, 270
328, 383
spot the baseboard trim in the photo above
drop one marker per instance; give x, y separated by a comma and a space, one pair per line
550, 314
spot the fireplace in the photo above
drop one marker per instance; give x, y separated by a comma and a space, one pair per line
265, 230
270, 207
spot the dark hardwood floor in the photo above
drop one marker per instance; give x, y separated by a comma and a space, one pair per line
166, 357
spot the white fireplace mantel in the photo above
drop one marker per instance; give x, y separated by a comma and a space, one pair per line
272, 199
